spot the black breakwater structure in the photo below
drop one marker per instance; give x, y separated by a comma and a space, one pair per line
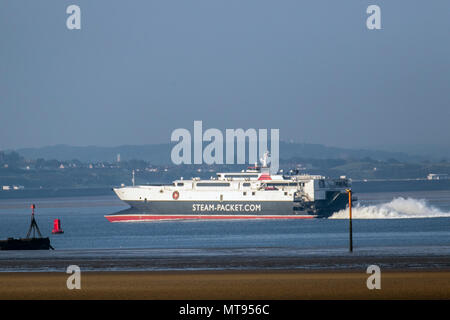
28, 243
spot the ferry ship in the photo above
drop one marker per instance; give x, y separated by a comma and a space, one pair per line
251, 194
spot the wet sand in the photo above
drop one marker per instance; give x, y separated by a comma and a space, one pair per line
212, 259
296, 284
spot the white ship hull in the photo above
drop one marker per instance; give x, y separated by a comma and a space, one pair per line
158, 203
250, 194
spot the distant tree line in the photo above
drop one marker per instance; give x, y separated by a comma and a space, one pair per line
37, 173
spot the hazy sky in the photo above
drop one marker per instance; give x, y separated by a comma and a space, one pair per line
139, 69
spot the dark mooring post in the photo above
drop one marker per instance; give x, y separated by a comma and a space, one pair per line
350, 219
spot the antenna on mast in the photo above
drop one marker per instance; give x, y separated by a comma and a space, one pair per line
264, 159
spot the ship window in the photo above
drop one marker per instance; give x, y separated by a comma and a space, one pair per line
278, 184
180, 184
246, 184
241, 176
213, 184
285, 193
282, 184
245, 193
253, 193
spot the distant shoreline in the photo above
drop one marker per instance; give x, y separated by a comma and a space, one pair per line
358, 186
56, 192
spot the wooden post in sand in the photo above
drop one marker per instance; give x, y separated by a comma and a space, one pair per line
350, 218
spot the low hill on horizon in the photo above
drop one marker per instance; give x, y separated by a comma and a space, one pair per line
159, 154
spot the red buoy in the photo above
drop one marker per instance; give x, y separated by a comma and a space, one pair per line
57, 226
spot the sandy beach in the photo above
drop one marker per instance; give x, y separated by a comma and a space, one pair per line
227, 285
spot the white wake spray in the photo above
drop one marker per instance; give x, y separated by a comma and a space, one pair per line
396, 209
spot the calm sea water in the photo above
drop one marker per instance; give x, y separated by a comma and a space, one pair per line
413, 222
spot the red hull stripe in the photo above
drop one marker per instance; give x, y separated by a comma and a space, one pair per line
125, 218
